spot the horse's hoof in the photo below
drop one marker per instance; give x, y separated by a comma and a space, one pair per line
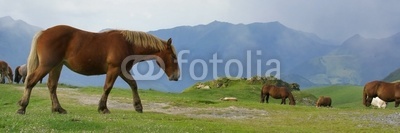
21, 112
138, 107
104, 111
139, 110
59, 110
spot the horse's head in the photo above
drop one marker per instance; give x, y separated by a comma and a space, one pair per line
292, 102
168, 61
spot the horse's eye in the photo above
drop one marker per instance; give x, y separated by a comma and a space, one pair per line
173, 56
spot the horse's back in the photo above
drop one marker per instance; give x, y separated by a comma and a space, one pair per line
275, 91
76, 47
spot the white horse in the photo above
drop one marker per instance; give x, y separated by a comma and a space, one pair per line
378, 102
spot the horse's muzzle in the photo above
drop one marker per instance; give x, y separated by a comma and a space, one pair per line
175, 76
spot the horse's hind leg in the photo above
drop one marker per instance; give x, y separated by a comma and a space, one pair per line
136, 99
52, 83
33, 78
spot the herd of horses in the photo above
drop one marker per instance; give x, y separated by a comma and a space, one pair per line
7, 73
377, 93
114, 52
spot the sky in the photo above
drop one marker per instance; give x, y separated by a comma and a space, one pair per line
334, 20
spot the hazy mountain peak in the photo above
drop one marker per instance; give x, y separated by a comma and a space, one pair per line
353, 39
216, 22
6, 21
397, 35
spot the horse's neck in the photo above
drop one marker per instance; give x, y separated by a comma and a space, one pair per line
145, 51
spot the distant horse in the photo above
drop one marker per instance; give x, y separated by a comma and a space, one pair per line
277, 93
20, 73
388, 92
112, 52
10, 74
4, 71
378, 102
324, 101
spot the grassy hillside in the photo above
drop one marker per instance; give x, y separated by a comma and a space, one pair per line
196, 110
342, 96
393, 76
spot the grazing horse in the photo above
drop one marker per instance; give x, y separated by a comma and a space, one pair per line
10, 74
112, 52
5, 72
20, 73
388, 92
378, 102
324, 101
277, 93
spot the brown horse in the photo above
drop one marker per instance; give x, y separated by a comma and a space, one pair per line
277, 93
324, 101
5, 72
20, 74
112, 53
388, 92
10, 74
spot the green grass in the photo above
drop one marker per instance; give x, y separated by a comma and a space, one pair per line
347, 115
342, 96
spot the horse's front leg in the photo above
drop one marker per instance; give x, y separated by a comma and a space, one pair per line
137, 104
2, 77
111, 76
54, 76
397, 102
267, 98
9, 79
262, 98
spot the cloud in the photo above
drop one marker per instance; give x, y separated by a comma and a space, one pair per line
335, 20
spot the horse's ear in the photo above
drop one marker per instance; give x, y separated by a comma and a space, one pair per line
169, 42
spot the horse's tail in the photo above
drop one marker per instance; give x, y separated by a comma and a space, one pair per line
365, 95
17, 75
33, 60
370, 91
262, 96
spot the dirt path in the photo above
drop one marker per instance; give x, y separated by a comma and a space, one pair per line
231, 112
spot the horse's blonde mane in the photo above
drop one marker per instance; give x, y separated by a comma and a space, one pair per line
143, 39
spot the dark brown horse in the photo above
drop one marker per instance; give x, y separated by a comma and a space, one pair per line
5, 72
112, 53
20, 74
277, 93
388, 92
324, 101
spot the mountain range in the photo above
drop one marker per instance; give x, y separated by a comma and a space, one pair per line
242, 50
